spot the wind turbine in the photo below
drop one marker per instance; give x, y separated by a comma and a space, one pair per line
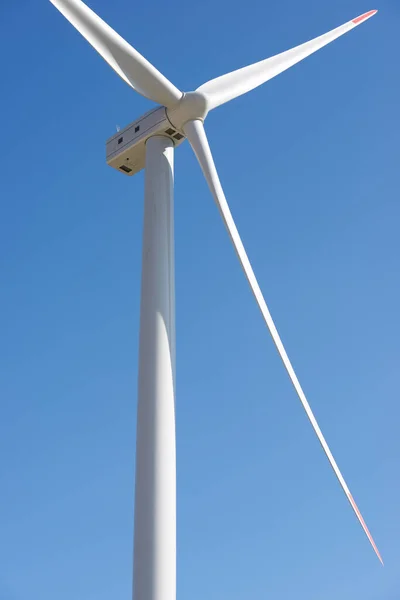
149, 142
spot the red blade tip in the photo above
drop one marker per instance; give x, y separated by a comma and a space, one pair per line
363, 17
364, 526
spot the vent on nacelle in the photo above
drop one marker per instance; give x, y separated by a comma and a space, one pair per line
175, 134
125, 169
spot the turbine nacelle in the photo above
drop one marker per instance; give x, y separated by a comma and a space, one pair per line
126, 149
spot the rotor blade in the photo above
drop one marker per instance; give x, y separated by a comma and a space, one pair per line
194, 131
234, 84
131, 66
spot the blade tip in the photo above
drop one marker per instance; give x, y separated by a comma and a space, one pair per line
364, 526
364, 17
379, 555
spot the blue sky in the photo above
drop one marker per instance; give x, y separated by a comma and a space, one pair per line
309, 163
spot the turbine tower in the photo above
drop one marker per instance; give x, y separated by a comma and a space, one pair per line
149, 143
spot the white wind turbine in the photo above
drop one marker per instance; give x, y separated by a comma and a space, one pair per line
149, 142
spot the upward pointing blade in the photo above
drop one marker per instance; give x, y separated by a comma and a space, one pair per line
125, 60
196, 135
234, 84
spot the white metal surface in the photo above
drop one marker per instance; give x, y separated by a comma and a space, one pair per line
155, 493
127, 62
223, 89
198, 140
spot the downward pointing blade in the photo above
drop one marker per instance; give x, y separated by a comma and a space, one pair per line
131, 66
234, 84
196, 135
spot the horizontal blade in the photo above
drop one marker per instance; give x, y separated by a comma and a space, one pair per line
194, 131
131, 66
229, 86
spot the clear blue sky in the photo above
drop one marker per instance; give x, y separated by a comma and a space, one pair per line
310, 166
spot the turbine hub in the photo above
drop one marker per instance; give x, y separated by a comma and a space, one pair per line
193, 106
